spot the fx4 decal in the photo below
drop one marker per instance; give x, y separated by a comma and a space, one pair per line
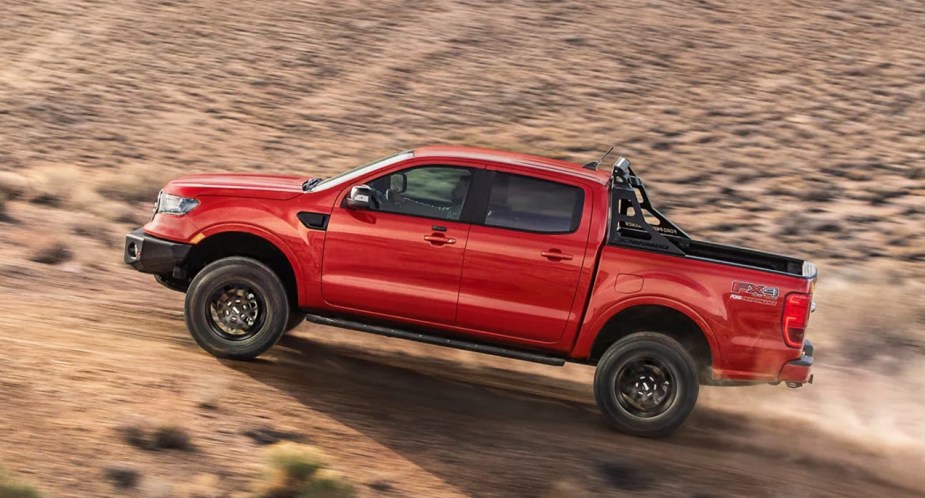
755, 290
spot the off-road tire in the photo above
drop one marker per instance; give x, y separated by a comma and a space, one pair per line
643, 347
236, 271
296, 318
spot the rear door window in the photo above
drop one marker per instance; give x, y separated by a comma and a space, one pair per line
530, 204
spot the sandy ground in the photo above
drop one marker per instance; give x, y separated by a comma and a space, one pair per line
399, 419
788, 126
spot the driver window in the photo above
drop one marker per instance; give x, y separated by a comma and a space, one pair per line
428, 191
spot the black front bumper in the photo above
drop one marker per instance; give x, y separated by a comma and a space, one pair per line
153, 255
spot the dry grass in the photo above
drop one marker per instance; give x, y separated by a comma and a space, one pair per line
299, 471
700, 107
50, 251
11, 488
199, 486
111, 195
51, 186
115, 196
12, 185
570, 488
133, 183
95, 230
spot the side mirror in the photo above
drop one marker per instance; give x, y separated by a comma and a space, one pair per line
360, 197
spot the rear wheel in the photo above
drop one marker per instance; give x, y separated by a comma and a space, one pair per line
646, 384
236, 308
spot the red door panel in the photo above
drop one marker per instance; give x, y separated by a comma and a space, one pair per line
393, 264
520, 284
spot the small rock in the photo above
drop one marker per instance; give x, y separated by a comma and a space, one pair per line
622, 475
381, 486
267, 435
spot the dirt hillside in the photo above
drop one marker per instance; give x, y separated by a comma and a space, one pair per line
790, 126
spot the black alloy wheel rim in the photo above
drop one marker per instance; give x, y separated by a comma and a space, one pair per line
236, 311
645, 387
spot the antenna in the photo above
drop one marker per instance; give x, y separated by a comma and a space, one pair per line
594, 164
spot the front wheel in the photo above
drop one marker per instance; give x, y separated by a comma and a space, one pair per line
295, 319
646, 384
236, 308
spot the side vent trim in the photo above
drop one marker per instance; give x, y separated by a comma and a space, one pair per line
314, 221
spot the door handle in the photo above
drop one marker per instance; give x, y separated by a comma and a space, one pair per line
556, 255
439, 239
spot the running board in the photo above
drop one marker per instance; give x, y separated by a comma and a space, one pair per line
437, 340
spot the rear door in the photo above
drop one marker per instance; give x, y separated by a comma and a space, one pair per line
523, 260
403, 258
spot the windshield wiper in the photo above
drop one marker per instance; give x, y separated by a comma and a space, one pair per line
310, 184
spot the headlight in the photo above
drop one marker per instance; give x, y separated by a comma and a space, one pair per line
174, 204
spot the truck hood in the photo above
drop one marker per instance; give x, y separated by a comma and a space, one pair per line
238, 185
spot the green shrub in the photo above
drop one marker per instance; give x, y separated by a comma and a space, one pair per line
10, 488
326, 484
298, 471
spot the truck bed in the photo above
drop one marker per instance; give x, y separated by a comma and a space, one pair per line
637, 224
743, 257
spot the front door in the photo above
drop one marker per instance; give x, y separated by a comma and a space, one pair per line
404, 256
523, 262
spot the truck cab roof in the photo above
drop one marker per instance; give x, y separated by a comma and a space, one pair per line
543, 163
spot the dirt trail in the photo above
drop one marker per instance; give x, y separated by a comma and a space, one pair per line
398, 418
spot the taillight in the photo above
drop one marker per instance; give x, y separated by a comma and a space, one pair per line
796, 315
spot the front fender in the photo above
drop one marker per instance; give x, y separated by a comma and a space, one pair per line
256, 230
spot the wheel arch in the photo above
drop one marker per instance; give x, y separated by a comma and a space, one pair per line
662, 317
252, 242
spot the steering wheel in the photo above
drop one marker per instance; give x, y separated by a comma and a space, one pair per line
393, 197
379, 198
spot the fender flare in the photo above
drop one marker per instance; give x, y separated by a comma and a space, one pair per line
265, 234
595, 327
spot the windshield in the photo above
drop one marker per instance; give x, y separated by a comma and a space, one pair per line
359, 171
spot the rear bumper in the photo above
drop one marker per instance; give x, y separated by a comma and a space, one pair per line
149, 254
800, 370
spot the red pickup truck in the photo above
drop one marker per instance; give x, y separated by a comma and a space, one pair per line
496, 252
